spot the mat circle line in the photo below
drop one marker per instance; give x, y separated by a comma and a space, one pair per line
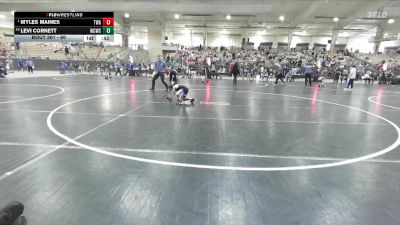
235, 168
35, 98
389, 106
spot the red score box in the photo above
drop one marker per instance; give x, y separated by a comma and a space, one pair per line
108, 22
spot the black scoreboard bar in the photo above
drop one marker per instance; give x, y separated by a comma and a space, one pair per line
64, 26
61, 30
63, 14
44, 22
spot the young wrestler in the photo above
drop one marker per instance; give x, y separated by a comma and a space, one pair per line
181, 92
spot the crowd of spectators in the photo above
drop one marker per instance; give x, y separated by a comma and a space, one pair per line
267, 62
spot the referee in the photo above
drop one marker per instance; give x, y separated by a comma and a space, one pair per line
160, 68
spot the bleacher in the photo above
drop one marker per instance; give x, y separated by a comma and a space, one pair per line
107, 52
9, 50
57, 52
138, 56
377, 58
91, 53
43, 51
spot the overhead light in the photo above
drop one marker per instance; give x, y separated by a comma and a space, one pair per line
176, 16
228, 17
126, 15
224, 31
12, 12
335, 19
391, 21
2, 16
282, 18
73, 10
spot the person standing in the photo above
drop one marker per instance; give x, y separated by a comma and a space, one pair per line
128, 66
382, 70
308, 71
213, 71
235, 73
206, 73
109, 67
344, 75
352, 77
140, 69
8, 67
336, 77
30, 65
21, 64
96, 70
160, 67
279, 74
286, 74
262, 72
117, 66
102, 68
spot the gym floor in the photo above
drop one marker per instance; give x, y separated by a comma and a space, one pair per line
83, 150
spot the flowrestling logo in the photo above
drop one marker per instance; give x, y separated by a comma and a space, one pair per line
64, 15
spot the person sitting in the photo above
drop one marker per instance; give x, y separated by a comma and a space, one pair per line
3, 71
368, 77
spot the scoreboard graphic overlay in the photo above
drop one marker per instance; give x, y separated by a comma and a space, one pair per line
64, 26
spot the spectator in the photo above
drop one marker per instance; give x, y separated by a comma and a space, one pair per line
8, 65
128, 68
351, 78
3, 71
382, 71
235, 73
279, 74
30, 65
117, 66
21, 64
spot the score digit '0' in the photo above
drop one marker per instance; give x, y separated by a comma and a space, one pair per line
108, 21
108, 30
